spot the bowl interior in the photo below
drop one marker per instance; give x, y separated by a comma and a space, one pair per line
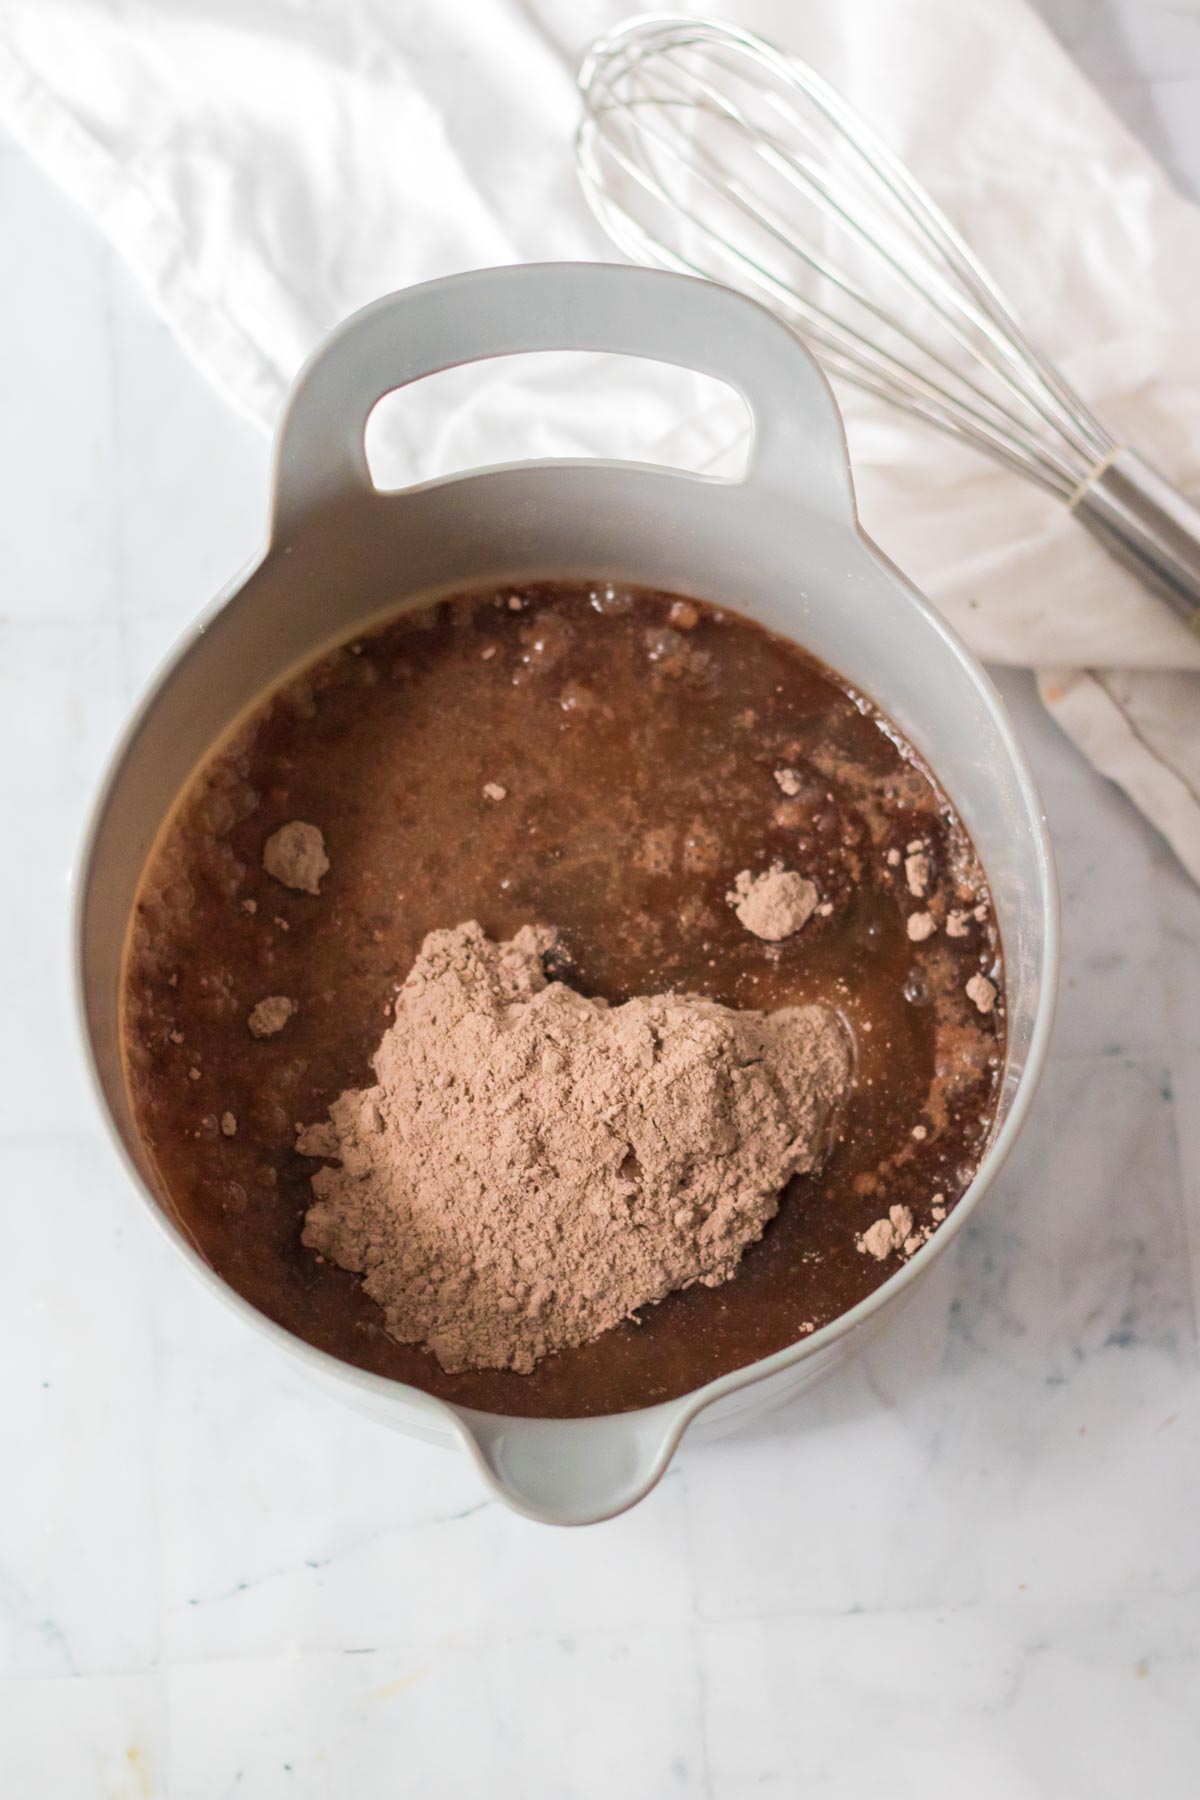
799, 571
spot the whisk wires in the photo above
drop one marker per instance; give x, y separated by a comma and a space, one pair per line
703, 149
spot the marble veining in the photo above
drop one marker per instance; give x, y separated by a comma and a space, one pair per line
967, 1563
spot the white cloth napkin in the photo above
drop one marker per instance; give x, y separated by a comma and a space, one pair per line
266, 166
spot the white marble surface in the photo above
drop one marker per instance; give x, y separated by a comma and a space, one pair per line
969, 1564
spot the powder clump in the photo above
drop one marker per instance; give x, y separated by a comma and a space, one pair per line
271, 1015
533, 1166
295, 855
773, 905
917, 871
982, 992
887, 1236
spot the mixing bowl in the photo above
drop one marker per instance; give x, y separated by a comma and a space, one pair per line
781, 545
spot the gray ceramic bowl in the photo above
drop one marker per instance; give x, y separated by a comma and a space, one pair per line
781, 545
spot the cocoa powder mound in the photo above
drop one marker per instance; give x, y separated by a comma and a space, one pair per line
533, 1166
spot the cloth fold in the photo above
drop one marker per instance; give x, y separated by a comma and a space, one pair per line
266, 166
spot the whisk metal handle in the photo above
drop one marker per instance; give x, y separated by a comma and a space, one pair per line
1146, 523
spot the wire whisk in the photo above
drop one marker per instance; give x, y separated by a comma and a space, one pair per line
704, 149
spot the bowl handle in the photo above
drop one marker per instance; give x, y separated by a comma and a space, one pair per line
798, 444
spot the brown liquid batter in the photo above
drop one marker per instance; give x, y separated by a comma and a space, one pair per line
637, 761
